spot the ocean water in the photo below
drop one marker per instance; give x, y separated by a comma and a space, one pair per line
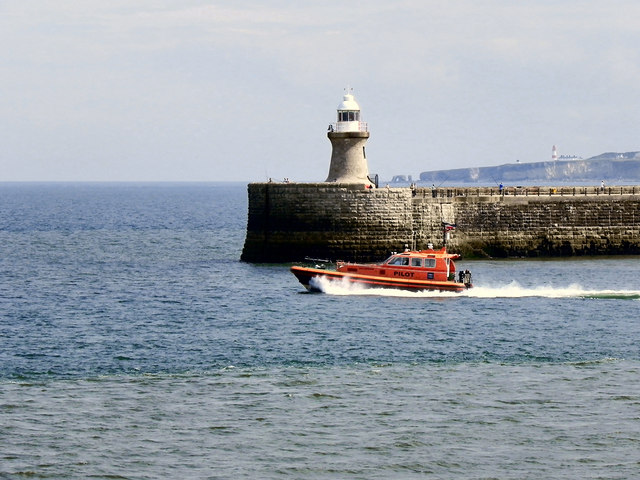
134, 344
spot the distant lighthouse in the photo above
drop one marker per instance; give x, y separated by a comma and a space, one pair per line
554, 153
348, 136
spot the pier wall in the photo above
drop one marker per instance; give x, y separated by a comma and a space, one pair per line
291, 221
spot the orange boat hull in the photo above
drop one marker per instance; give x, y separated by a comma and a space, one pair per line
306, 274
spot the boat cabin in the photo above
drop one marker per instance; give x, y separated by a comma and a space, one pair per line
430, 264
420, 266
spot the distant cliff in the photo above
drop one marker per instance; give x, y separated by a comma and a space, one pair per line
620, 168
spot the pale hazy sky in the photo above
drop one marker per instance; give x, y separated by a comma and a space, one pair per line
180, 90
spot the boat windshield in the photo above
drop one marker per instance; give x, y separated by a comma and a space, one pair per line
397, 260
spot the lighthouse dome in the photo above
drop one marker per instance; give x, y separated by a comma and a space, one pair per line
348, 103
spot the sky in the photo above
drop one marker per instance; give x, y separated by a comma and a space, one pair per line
238, 90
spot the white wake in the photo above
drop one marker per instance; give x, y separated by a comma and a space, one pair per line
511, 290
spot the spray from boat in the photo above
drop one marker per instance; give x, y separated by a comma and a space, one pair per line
510, 290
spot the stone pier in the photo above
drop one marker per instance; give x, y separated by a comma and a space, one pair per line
290, 221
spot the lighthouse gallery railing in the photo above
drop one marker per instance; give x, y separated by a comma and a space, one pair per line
349, 127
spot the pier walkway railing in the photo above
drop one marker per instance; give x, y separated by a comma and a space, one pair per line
565, 191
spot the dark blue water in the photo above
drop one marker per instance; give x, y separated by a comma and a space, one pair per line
134, 344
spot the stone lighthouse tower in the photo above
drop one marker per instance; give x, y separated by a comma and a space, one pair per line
348, 136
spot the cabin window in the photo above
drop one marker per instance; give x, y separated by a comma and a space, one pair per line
416, 262
430, 262
399, 261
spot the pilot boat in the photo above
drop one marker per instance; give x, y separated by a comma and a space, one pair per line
415, 270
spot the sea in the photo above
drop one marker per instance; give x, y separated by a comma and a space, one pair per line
134, 344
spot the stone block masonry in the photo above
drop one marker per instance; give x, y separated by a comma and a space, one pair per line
290, 221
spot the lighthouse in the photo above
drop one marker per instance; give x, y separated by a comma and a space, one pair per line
348, 136
554, 154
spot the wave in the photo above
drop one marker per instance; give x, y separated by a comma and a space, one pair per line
511, 290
